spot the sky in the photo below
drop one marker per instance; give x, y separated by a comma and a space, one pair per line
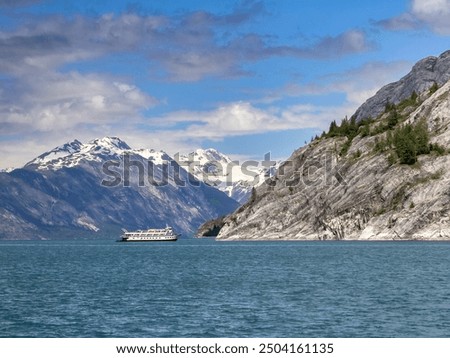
245, 77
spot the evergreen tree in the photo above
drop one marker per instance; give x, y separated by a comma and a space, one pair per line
393, 118
410, 141
421, 137
344, 127
365, 130
353, 125
333, 131
404, 145
389, 107
433, 88
389, 139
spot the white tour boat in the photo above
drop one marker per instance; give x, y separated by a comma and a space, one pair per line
166, 234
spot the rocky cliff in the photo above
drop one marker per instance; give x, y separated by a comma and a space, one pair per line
384, 179
423, 75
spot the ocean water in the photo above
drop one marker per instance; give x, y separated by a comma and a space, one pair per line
203, 288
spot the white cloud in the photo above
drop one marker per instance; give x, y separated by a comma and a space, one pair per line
45, 106
78, 97
237, 118
60, 101
356, 85
240, 118
430, 6
186, 47
432, 14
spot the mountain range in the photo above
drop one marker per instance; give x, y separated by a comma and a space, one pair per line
95, 189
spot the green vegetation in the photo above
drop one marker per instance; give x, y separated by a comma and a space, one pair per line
411, 141
411, 101
403, 142
396, 114
407, 142
393, 119
433, 88
349, 129
346, 129
365, 131
357, 154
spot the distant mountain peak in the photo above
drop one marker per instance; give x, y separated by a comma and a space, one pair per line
74, 153
207, 165
57, 153
218, 170
110, 142
69, 147
157, 157
204, 156
71, 153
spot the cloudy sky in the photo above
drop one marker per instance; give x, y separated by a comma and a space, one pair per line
246, 77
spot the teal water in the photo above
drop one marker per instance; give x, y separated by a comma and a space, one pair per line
203, 288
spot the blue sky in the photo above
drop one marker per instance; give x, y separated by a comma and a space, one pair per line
246, 77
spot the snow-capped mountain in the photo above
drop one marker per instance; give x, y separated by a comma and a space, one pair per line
101, 187
70, 154
232, 177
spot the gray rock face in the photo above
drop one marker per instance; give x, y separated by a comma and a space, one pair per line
210, 228
60, 194
320, 195
423, 75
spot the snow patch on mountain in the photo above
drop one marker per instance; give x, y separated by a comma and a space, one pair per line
72, 153
87, 223
207, 165
231, 177
57, 153
157, 157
